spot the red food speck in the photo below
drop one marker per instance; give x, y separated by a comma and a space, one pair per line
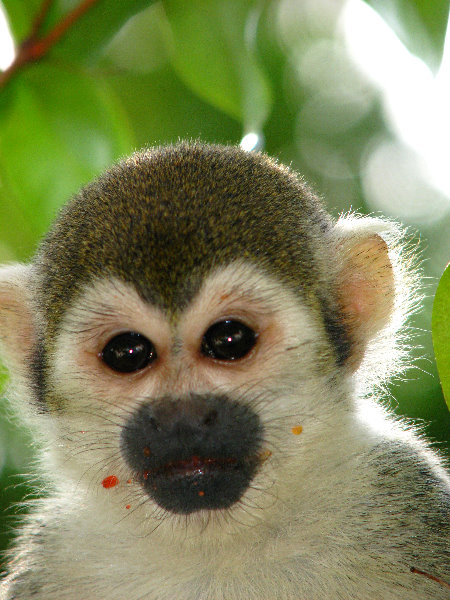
201, 493
128, 506
110, 481
128, 480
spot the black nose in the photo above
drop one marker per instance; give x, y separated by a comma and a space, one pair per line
193, 453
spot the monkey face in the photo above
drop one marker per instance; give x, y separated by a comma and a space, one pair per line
186, 410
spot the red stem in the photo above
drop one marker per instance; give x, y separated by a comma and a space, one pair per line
34, 48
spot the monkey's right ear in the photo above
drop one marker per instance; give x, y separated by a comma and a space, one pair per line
17, 334
370, 278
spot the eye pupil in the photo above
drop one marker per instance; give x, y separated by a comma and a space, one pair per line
128, 352
228, 340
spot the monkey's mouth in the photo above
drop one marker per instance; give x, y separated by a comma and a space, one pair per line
195, 466
199, 483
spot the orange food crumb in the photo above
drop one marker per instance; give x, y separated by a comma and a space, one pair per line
297, 430
110, 481
201, 493
147, 451
128, 506
128, 480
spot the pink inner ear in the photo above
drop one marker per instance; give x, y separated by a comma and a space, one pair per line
365, 291
16, 318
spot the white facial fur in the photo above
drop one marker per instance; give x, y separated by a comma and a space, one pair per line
95, 401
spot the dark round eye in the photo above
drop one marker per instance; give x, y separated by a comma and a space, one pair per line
228, 340
128, 352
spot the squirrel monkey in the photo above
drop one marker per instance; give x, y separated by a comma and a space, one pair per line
202, 348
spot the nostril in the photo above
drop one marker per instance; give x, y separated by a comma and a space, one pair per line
210, 418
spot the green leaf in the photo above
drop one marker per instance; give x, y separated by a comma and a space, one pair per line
20, 15
434, 16
440, 325
62, 128
139, 46
420, 24
87, 36
213, 53
163, 109
93, 30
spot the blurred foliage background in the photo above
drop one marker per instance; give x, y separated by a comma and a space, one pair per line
353, 94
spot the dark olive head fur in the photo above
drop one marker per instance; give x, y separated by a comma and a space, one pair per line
167, 216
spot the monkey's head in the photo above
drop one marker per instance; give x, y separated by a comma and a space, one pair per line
189, 313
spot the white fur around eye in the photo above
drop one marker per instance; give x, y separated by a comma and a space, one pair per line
105, 310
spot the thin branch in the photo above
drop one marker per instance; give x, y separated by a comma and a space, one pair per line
38, 22
33, 48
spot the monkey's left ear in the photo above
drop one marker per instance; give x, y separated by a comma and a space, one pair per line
366, 282
17, 333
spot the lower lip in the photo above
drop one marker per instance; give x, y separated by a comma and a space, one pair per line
194, 466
